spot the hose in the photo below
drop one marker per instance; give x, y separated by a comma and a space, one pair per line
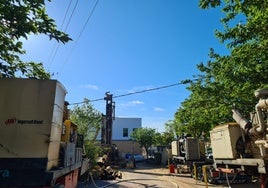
227, 179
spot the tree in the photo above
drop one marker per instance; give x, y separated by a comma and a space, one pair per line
89, 122
18, 19
164, 138
245, 69
145, 137
198, 114
173, 127
88, 119
231, 78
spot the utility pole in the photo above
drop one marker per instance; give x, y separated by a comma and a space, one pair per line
110, 112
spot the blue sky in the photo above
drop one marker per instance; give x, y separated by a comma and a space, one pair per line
129, 46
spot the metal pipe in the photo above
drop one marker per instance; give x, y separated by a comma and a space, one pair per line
243, 122
263, 103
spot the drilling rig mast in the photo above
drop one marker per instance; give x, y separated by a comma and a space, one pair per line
109, 117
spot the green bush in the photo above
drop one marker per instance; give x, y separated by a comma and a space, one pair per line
92, 151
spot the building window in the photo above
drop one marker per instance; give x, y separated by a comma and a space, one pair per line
125, 132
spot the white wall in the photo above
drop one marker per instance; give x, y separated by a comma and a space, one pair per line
119, 124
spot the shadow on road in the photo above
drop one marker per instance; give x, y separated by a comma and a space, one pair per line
151, 169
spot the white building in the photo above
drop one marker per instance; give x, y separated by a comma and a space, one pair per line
122, 129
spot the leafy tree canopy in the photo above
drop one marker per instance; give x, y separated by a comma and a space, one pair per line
19, 19
227, 80
163, 139
145, 137
173, 127
89, 122
88, 119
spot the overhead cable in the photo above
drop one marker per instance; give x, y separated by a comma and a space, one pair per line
80, 34
63, 21
66, 27
71, 16
147, 90
136, 92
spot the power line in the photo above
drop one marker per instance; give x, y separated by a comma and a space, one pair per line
66, 27
66, 13
147, 90
88, 18
136, 92
71, 16
81, 32
95, 100
55, 49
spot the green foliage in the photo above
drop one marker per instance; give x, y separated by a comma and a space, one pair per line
18, 19
92, 150
145, 137
231, 79
88, 119
163, 139
209, 3
173, 127
89, 122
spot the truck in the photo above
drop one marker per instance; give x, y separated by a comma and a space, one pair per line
39, 145
239, 149
188, 152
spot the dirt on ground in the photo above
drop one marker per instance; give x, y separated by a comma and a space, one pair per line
162, 173
184, 180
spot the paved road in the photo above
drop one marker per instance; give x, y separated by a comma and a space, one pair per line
132, 179
150, 177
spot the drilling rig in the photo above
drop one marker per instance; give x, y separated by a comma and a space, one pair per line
239, 149
242, 147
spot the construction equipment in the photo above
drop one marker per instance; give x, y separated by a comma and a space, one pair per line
240, 149
245, 144
188, 151
39, 145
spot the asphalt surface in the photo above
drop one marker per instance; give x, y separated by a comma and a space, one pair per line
145, 176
